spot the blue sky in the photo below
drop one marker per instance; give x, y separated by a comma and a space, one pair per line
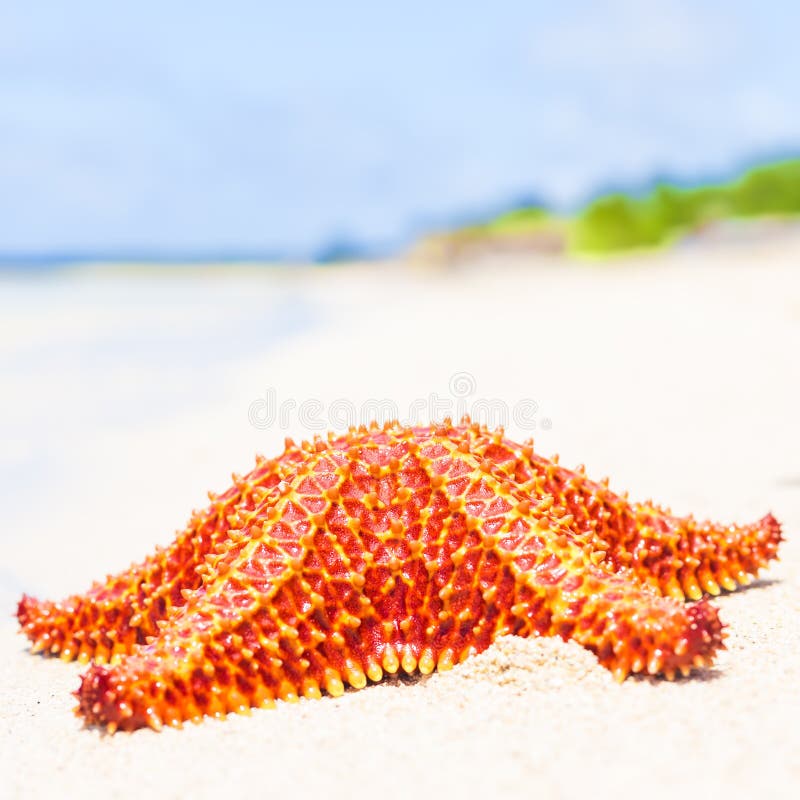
259, 126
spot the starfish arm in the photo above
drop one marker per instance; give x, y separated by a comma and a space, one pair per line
248, 636
108, 620
628, 627
685, 558
676, 556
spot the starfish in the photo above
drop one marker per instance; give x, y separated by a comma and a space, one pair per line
672, 555
387, 549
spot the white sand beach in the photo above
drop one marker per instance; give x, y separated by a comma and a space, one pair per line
127, 394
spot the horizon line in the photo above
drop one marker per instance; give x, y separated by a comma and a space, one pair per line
345, 247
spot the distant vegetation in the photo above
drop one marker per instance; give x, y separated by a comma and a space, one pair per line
619, 222
518, 220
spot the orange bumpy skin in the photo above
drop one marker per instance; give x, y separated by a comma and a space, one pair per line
397, 549
676, 556
111, 618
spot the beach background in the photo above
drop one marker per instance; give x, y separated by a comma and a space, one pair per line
203, 255
676, 375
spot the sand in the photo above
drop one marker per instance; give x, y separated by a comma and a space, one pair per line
126, 396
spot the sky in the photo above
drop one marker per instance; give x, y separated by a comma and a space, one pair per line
261, 127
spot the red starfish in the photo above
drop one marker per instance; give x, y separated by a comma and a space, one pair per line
392, 548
